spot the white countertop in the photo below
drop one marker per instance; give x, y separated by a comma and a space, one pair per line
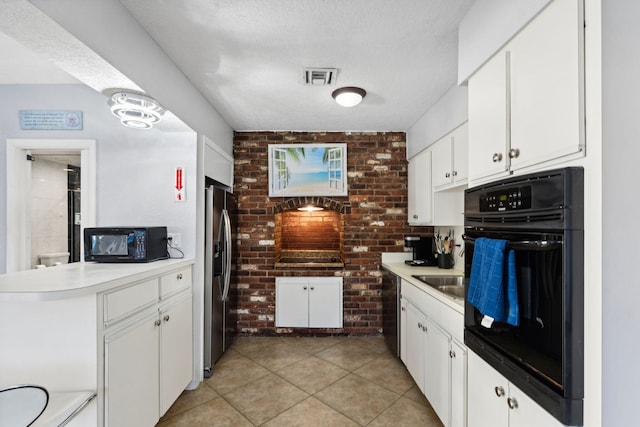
399, 268
79, 279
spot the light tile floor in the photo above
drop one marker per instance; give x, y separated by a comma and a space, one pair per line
304, 381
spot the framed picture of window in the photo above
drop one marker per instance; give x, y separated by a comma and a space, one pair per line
307, 170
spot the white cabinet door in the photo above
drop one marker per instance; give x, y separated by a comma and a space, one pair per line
437, 370
460, 171
487, 395
524, 412
415, 345
547, 86
176, 351
325, 305
131, 374
442, 162
488, 119
403, 329
458, 384
292, 304
419, 189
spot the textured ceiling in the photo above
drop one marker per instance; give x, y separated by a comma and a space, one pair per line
247, 57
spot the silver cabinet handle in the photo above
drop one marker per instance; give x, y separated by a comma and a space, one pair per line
454, 173
514, 153
312, 287
179, 276
157, 322
497, 157
452, 354
304, 288
424, 328
402, 308
419, 325
415, 216
447, 175
499, 391
166, 318
513, 403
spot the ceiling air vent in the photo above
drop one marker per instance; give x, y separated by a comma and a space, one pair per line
320, 76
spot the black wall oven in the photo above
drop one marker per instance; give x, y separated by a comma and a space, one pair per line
541, 217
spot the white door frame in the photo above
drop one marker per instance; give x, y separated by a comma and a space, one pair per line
18, 243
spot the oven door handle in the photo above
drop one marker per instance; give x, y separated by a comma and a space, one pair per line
539, 245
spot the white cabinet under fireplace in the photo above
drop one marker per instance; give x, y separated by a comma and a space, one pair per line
309, 302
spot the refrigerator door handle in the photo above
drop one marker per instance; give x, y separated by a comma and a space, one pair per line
227, 254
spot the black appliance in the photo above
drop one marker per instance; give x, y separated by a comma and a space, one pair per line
391, 290
125, 244
220, 289
541, 217
423, 251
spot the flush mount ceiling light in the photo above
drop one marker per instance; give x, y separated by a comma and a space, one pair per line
349, 96
135, 110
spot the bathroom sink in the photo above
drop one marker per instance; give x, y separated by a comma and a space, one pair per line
452, 286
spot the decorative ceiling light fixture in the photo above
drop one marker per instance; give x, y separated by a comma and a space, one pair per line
135, 110
349, 96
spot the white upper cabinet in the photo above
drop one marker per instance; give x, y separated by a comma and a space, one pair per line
488, 119
450, 158
526, 104
419, 189
547, 109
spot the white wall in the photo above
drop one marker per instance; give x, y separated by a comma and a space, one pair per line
620, 207
487, 26
135, 168
447, 114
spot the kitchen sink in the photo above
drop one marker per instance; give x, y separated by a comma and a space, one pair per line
452, 286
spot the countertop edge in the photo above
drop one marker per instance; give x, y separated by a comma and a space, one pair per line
406, 272
92, 278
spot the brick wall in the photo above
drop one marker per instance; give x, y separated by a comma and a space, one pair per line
375, 222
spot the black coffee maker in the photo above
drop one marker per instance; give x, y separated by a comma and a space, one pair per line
423, 251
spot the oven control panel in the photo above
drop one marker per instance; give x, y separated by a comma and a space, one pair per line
506, 199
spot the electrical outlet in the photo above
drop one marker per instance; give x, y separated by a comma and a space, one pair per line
175, 239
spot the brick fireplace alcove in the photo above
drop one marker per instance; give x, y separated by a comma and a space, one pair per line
309, 238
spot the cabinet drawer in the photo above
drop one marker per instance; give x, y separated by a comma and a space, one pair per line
172, 282
124, 302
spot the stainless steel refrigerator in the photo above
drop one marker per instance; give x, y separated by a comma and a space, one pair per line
220, 290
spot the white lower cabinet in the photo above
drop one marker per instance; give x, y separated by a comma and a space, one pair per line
148, 349
458, 357
437, 374
432, 351
176, 351
131, 375
494, 401
415, 348
309, 302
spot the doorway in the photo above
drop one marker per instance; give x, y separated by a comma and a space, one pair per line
24, 227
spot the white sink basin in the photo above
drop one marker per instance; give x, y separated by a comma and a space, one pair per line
21, 405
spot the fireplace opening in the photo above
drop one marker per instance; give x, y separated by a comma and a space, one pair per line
309, 238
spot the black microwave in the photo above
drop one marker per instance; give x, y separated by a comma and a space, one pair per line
125, 244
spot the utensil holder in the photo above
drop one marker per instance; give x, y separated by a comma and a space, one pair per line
445, 260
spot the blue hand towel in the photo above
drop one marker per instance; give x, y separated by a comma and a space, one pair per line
492, 287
